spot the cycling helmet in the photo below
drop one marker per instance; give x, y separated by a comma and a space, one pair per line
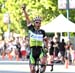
37, 19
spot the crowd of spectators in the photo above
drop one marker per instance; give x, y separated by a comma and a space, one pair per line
61, 50
19, 46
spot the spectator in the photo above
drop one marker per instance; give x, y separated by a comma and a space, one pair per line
51, 50
62, 50
56, 47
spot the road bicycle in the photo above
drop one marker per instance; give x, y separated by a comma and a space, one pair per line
38, 66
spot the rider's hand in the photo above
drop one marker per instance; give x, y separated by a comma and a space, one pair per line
23, 7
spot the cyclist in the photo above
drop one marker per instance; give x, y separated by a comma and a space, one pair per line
37, 37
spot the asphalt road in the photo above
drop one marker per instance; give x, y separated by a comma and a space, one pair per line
23, 67
14, 66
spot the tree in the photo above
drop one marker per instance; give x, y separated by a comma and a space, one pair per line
47, 9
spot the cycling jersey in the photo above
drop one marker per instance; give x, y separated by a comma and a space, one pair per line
36, 36
36, 43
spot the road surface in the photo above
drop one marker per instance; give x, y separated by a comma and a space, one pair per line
14, 66
23, 67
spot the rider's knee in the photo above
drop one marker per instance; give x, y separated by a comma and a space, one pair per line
32, 68
43, 61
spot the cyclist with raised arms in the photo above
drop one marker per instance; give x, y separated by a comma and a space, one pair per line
36, 38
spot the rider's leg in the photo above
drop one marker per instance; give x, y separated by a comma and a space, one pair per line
32, 64
32, 68
35, 53
43, 61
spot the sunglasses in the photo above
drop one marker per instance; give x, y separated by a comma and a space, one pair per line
37, 22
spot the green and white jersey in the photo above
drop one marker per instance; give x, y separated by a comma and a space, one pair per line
36, 36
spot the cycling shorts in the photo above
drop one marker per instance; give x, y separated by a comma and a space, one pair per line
35, 53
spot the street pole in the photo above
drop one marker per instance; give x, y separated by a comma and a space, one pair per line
67, 10
7, 21
9, 29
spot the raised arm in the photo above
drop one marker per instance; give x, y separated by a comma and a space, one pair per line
25, 13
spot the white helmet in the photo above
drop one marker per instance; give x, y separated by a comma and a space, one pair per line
37, 19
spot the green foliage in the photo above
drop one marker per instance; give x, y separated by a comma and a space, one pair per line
47, 9
50, 34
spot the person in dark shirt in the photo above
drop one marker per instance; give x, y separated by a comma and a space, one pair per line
62, 49
51, 51
56, 48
